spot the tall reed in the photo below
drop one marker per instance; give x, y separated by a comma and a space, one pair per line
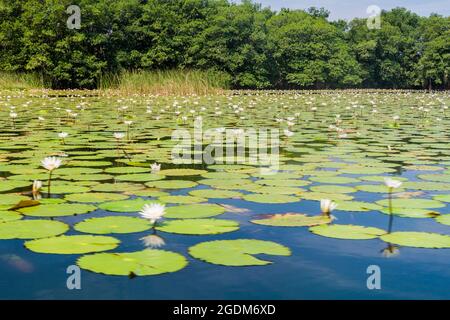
167, 82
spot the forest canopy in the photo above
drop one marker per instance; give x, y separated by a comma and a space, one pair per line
255, 47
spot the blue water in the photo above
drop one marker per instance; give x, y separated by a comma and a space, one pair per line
319, 268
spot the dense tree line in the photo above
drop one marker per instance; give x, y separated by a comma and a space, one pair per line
255, 46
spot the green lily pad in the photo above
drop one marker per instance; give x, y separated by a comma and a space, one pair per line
182, 172
141, 263
333, 180
139, 177
218, 194
117, 187
72, 244
31, 229
444, 219
435, 177
93, 197
11, 199
411, 212
7, 185
418, 239
270, 198
333, 189
182, 199
57, 210
9, 216
198, 226
127, 170
350, 232
237, 252
376, 188
442, 197
412, 203
171, 184
321, 195
66, 189
134, 205
114, 224
357, 206
193, 211
293, 220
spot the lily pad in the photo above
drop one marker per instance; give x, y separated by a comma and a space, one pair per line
412, 203
237, 252
77, 244
270, 198
93, 197
134, 205
57, 210
418, 239
193, 211
293, 220
199, 226
182, 172
444, 219
114, 224
147, 262
31, 229
9, 216
171, 184
350, 232
218, 194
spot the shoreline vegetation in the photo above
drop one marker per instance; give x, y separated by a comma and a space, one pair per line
204, 46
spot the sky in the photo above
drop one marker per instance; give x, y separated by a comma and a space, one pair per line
348, 9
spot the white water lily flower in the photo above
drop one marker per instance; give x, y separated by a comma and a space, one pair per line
391, 183
155, 167
51, 163
395, 118
153, 241
13, 115
153, 211
63, 135
41, 118
37, 185
128, 122
119, 135
327, 205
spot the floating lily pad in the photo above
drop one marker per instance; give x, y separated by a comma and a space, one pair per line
418, 239
7, 185
31, 229
237, 252
333, 180
134, 205
357, 206
352, 232
442, 197
171, 184
194, 211
412, 203
199, 226
77, 244
444, 219
115, 224
11, 199
321, 195
219, 194
182, 172
333, 189
66, 189
127, 170
139, 177
270, 198
57, 210
93, 197
411, 212
182, 199
117, 187
9, 216
376, 188
292, 220
141, 263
